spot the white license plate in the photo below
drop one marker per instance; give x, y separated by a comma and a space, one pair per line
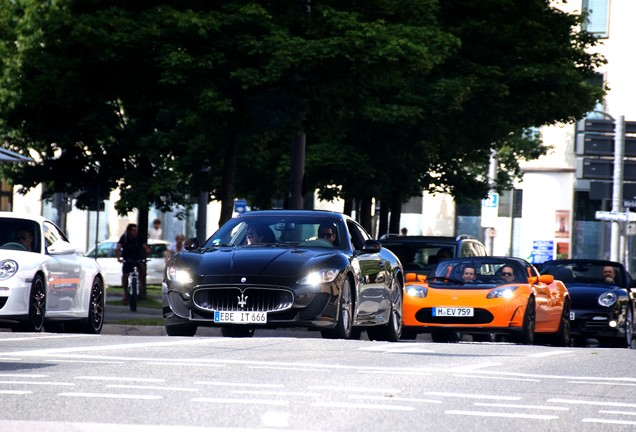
453, 312
238, 317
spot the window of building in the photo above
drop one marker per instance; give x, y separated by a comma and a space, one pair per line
598, 17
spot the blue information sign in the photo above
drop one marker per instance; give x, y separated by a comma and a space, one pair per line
542, 250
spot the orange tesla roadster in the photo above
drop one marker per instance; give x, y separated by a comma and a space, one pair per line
486, 297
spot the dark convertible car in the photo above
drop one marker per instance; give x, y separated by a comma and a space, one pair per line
282, 268
602, 299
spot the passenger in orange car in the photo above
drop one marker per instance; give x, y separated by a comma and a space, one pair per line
508, 274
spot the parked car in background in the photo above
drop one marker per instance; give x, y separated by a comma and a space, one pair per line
602, 295
44, 282
111, 269
421, 253
286, 268
503, 296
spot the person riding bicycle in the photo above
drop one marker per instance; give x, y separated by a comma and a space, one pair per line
129, 252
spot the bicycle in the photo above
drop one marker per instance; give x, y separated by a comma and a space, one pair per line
133, 285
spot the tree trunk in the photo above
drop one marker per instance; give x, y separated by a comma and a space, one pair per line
396, 212
383, 218
365, 213
229, 174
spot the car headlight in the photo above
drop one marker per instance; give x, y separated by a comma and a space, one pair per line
418, 291
319, 276
607, 299
179, 275
503, 292
8, 268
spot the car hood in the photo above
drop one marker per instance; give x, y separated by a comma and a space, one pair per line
587, 294
259, 261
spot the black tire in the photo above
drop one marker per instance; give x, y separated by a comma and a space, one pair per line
484, 337
37, 307
408, 333
94, 321
527, 334
563, 337
629, 327
187, 330
344, 324
237, 331
132, 298
391, 331
444, 335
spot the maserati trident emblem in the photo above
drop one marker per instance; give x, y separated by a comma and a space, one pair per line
242, 300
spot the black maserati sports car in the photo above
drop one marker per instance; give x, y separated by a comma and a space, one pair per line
286, 268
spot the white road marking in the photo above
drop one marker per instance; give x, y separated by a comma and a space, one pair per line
237, 384
83, 361
108, 378
592, 402
345, 388
38, 383
49, 426
549, 353
505, 415
275, 419
473, 396
546, 407
242, 401
289, 368
15, 392
629, 413
10, 375
111, 396
395, 372
159, 343
362, 406
602, 383
276, 393
606, 421
399, 399
471, 367
495, 377
130, 386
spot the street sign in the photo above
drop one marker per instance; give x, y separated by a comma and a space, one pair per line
240, 205
616, 216
542, 250
492, 201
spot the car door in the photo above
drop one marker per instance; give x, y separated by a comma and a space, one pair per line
63, 268
373, 289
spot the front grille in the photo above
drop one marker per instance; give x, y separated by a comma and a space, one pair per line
482, 316
246, 299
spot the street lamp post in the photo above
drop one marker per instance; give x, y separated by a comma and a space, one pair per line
617, 189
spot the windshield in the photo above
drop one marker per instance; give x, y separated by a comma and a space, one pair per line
587, 273
270, 230
478, 272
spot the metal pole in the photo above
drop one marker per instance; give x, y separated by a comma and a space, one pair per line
617, 191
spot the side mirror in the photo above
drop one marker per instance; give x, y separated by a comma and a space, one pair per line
415, 277
61, 247
191, 243
546, 279
372, 246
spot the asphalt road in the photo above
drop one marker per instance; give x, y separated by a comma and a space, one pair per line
68, 382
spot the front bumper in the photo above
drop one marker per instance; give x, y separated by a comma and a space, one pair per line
597, 323
308, 307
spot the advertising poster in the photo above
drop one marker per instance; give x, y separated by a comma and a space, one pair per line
562, 219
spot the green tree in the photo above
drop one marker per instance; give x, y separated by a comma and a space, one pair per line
167, 99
